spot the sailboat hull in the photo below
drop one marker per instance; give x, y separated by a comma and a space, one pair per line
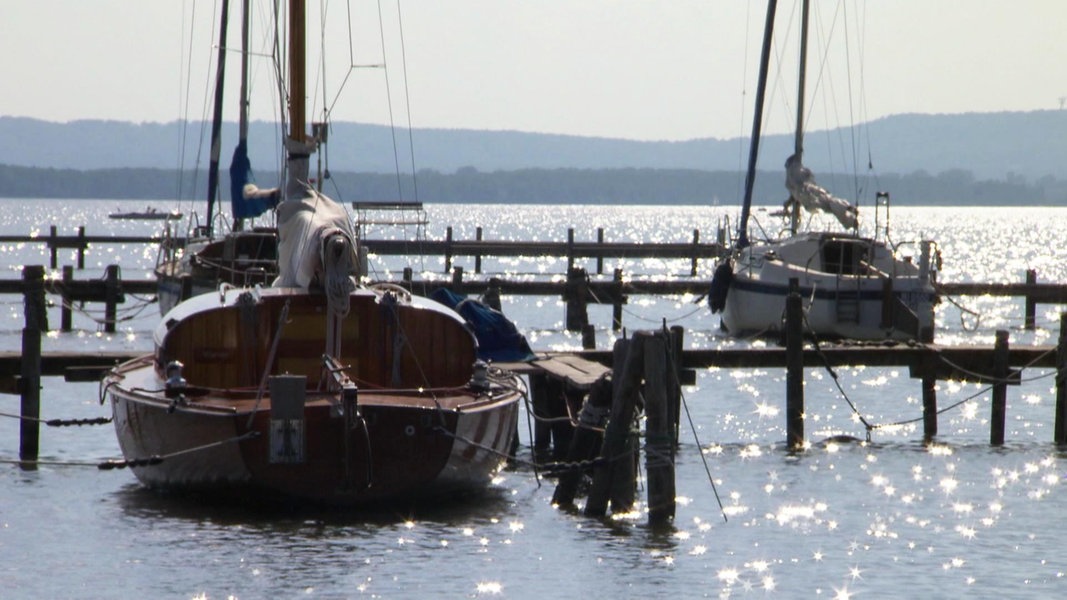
220, 433
851, 288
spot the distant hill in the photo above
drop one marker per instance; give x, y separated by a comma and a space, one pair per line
1003, 146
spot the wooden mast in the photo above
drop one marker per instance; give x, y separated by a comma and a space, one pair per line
298, 146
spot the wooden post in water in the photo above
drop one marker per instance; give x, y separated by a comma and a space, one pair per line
617, 300
478, 257
111, 297
794, 360
928, 368
65, 317
586, 440
693, 261
492, 294
576, 295
616, 473
588, 337
659, 439
1060, 429
674, 387
448, 249
1030, 319
53, 246
36, 321
457, 280
570, 249
999, 408
600, 257
82, 245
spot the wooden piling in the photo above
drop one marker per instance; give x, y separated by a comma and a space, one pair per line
617, 300
65, 314
111, 297
693, 260
599, 258
676, 374
53, 246
999, 407
570, 249
928, 369
36, 322
659, 438
1030, 318
586, 440
794, 378
491, 297
478, 257
588, 337
82, 245
576, 296
611, 478
448, 249
1060, 428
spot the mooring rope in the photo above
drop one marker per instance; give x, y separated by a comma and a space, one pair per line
60, 422
156, 459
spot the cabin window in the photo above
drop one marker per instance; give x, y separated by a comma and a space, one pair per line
843, 256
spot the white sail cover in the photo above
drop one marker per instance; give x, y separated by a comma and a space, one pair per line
316, 245
802, 188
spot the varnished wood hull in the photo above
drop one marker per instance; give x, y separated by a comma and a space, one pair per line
402, 441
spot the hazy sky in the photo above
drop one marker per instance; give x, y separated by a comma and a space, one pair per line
664, 69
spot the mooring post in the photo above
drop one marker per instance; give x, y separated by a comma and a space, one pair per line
457, 280
600, 251
478, 255
616, 300
696, 248
586, 440
542, 442
53, 246
928, 368
576, 295
407, 276
111, 297
588, 337
659, 441
1000, 388
794, 360
492, 294
82, 245
674, 387
612, 478
1060, 429
570, 248
36, 321
65, 316
448, 249
1030, 319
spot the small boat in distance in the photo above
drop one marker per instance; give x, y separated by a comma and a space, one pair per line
148, 214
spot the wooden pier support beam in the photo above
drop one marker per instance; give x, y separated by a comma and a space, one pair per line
36, 321
1060, 428
613, 481
576, 295
999, 407
794, 376
600, 258
585, 444
478, 257
929, 390
111, 297
617, 301
659, 431
82, 245
65, 316
1030, 318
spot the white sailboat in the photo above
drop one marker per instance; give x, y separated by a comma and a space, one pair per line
853, 286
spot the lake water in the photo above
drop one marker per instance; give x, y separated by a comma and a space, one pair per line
892, 518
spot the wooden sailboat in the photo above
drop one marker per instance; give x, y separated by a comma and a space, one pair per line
241, 256
314, 389
853, 286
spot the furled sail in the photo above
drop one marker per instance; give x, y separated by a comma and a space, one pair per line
246, 200
802, 188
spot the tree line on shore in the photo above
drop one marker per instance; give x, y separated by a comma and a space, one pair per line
546, 186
